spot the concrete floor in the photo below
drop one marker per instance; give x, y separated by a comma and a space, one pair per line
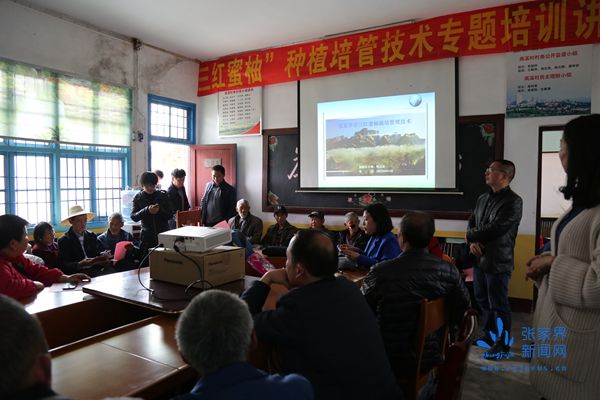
511, 382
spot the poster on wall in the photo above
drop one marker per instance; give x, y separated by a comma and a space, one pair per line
549, 82
240, 112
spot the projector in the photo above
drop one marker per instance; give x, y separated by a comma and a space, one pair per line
195, 238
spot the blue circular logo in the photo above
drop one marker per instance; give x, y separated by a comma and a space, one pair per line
415, 100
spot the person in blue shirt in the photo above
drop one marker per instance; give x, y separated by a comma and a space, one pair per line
214, 334
382, 244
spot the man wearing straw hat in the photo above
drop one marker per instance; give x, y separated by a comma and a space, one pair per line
78, 249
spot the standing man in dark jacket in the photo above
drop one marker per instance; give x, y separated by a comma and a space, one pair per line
394, 290
152, 207
218, 201
177, 196
491, 235
316, 324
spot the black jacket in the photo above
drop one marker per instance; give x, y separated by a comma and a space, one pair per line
394, 290
279, 237
326, 332
152, 225
175, 199
359, 240
227, 204
70, 253
495, 223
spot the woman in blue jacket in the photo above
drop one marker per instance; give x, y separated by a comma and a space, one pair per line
382, 244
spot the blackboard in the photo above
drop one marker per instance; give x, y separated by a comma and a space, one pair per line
479, 141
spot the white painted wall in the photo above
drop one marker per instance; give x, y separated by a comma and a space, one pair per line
38, 39
32, 37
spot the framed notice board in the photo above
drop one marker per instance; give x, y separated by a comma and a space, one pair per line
479, 140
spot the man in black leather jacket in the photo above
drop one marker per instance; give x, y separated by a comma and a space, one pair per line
394, 290
491, 235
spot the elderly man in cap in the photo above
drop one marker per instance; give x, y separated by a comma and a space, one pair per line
317, 221
78, 248
278, 236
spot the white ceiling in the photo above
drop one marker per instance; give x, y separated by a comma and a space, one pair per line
206, 30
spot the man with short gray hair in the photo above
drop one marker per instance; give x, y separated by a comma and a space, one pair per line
353, 235
214, 334
251, 226
25, 365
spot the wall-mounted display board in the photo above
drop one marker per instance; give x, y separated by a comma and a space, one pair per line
479, 140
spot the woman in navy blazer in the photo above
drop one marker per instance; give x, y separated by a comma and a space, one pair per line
382, 244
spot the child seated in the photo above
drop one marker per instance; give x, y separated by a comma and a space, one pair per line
115, 234
45, 247
20, 278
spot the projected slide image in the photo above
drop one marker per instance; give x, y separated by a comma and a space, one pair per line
388, 136
379, 145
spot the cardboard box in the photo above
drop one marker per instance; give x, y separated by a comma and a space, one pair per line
221, 265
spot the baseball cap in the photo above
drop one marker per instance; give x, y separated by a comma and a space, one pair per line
317, 214
280, 209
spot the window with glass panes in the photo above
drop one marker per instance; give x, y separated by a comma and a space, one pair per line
63, 141
172, 130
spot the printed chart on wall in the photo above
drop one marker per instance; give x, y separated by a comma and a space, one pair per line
240, 112
549, 82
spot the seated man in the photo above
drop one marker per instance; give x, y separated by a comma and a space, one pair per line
394, 289
78, 249
322, 327
250, 225
25, 370
115, 234
21, 278
278, 236
353, 235
214, 334
317, 221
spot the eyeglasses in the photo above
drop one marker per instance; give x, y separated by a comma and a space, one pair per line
489, 170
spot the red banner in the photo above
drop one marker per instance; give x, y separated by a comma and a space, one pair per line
517, 27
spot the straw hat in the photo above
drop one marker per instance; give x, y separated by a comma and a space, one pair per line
74, 211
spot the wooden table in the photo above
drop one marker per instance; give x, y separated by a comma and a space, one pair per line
163, 297
356, 276
140, 359
70, 315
